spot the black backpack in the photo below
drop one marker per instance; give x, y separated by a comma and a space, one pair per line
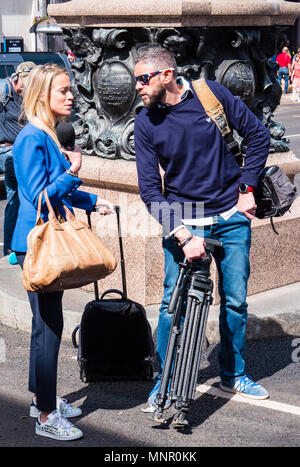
115, 337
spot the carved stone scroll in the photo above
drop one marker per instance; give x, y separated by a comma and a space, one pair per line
106, 102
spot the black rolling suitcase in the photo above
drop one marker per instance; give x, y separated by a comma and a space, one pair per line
115, 338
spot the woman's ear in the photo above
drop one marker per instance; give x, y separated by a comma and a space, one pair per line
42, 99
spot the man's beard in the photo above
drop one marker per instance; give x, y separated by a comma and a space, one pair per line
155, 98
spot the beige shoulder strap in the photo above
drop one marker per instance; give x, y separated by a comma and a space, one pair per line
212, 105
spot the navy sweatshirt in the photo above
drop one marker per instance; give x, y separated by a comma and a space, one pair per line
198, 165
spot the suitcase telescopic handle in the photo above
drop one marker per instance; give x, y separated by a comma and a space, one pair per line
122, 262
96, 290
110, 291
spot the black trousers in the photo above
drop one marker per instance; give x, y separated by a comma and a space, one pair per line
47, 327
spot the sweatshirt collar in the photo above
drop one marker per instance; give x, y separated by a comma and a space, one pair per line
180, 80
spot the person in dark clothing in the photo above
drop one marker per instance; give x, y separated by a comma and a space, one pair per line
200, 176
11, 90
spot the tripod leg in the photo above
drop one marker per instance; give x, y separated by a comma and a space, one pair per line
180, 420
175, 307
161, 397
192, 350
183, 400
200, 302
182, 351
199, 346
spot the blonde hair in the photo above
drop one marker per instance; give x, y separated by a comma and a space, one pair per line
36, 101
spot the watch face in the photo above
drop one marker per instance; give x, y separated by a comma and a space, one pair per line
243, 188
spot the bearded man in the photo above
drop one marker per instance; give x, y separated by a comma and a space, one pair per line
173, 131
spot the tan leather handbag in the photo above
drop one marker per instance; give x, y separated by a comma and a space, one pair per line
64, 254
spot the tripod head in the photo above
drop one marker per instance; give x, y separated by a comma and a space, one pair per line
197, 269
211, 243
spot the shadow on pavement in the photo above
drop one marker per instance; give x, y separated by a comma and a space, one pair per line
17, 430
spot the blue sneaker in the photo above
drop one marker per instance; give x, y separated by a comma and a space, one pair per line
244, 386
12, 258
153, 394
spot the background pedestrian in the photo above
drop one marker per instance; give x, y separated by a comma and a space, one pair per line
284, 61
11, 91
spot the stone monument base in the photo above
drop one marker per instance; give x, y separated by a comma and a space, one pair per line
274, 259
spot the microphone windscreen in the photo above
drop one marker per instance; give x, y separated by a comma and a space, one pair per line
66, 135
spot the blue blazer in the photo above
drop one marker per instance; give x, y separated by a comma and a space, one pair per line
38, 165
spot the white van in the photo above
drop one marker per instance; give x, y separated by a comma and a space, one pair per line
10, 61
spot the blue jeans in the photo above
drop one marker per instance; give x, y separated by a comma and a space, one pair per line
11, 186
232, 260
283, 73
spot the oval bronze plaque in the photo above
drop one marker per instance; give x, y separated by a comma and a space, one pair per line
238, 77
115, 85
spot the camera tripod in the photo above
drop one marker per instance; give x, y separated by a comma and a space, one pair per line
190, 300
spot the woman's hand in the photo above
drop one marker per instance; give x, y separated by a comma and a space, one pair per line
103, 206
75, 157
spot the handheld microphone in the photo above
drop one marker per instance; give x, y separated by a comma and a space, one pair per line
66, 135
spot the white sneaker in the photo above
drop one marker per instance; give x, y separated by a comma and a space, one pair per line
57, 427
66, 409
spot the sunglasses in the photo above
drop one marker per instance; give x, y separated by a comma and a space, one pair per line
144, 79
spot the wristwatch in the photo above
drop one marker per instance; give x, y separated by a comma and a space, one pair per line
70, 172
244, 188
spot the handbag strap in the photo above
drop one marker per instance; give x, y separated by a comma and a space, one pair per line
49, 205
53, 218
39, 220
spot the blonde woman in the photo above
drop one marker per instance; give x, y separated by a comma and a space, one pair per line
41, 163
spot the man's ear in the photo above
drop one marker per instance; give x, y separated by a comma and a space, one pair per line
167, 76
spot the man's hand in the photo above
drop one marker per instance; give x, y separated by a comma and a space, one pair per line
195, 248
246, 204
